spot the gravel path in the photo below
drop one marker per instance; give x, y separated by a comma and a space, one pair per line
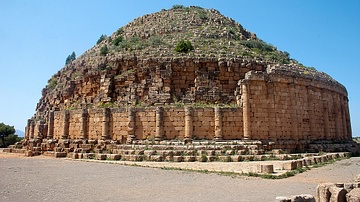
48, 179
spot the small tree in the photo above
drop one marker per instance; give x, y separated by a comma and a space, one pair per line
102, 38
5, 131
104, 50
184, 47
70, 58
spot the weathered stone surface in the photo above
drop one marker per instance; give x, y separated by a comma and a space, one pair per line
353, 195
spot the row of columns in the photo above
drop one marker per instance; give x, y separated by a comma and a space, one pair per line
159, 123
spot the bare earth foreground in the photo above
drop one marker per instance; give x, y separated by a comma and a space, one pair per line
48, 179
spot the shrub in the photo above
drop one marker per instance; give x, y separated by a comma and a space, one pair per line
52, 83
120, 31
118, 40
252, 44
155, 40
184, 47
177, 6
104, 50
102, 38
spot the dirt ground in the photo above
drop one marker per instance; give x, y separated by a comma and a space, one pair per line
48, 179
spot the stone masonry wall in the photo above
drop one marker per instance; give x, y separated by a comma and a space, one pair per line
279, 104
281, 107
96, 124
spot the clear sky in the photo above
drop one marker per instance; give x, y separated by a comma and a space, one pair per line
36, 36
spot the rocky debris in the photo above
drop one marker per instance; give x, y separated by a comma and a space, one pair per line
338, 192
297, 198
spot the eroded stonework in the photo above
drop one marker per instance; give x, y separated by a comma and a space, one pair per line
231, 87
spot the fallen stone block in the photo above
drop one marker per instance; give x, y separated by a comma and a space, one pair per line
353, 195
303, 198
283, 199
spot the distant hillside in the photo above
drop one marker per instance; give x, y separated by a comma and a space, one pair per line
19, 133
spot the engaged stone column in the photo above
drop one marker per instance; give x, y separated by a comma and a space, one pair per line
32, 128
159, 123
218, 124
66, 119
294, 120
188, 124
326, 122
131, 125
270, 100
105, 124
347, 115
311, 112
50, 132
337, 115
28, 129
83, 130
343, 118
246, 110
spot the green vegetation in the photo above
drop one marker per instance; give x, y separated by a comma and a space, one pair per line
7, 135
52, 83
257, 44
102, 38
70, 58
155, 40
184, 46
120, 31
107, 105
117, 40
104, 50
177, 6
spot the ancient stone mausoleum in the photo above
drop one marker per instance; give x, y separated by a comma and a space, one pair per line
133, 87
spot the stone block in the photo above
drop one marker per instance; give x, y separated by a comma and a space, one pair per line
338, 194
235, 158
303, 198
224, 158
353, 195
60, 154
89, 156
135, 158
157, 158
189, 158
74, 155
100, 156
290, 165
268, 169
115, 157
58, 149
282, 199
177, 158
28, 153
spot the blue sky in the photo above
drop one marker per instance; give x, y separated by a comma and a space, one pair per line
36, 36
